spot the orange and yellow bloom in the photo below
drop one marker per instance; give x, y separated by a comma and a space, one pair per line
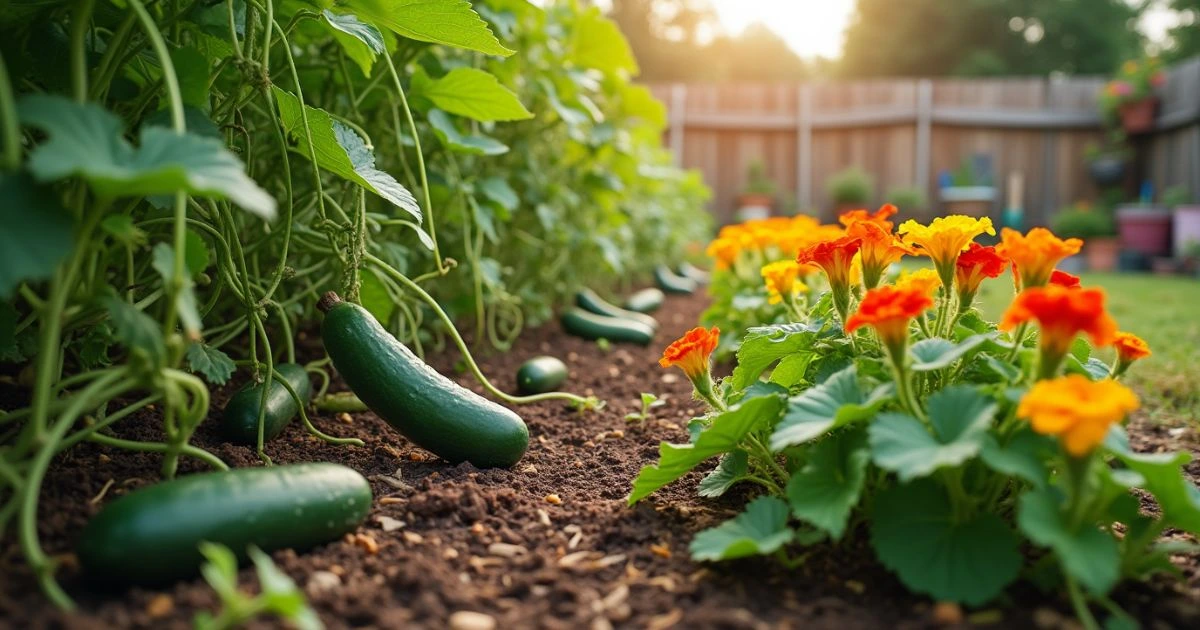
691, 353
944, 239
879, 217
835, 257
889, 311
924, 280
1064, 279
1130, 348
1034, 255
878, 249
1062, 314
972, 267
1077, 410
781, 280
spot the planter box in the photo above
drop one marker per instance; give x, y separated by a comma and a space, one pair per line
1186, 225
1145, 229
973, 201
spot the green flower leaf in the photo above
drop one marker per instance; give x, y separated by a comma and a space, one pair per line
791, 370
472, 93
598, 43
498, 190
826, 490
135, 330
449, 22
185, 300
446, 131
1086, 553
764, 345
727, 430
215, 365
960, 417
835, 403
732, 469
37, 233
937, 353
87, 141
760, 530
1164, 478
915, 535
1024, 456
341, 151
361, 41
1091, 367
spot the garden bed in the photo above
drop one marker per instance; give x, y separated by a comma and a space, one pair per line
498, 542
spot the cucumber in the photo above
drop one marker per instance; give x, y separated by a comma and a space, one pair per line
540, 375
645, 301
588, 300
581, 323
239, 424
437, 414
688, 270
150, 536
672, 282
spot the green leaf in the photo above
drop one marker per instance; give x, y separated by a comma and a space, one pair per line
498, 190
449, 22
87, 141
727, 430
472, 93
1165, 479
361, 41
937, 353
835, 403
764, 345
220, 570
122, 229
135, 330
9, 351
960, 417
374, 297
1086, 553
444, 128
196, 256
37, 233
185, 300
1093, 368
732, 469
598, 43
1024, 456
215, 365
637, 101
915, 534
192, 72
760, 530
826, 490
791, 370
341, 151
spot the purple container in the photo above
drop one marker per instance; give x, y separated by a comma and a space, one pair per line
1187, 229
1145, 229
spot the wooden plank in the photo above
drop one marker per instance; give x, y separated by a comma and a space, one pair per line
924, 134
804, 140
676, 114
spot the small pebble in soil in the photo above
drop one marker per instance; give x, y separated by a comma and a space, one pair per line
543, 517
855, 586
389, 524
506, 550
160, 605
414, 538
322, 582
553, 499
345, 418
947, 614
661, 551
367, 543
468, 620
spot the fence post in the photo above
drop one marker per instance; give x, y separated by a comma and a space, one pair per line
804, 192
924, 135
676, 114
1049, 159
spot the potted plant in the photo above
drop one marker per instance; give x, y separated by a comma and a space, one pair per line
909, 199
1107, 161
1185, 218
850, 189
1145, 228
1096, 228
969, 189
1130, 97
757, 198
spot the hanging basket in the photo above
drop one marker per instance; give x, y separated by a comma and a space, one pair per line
1137, 117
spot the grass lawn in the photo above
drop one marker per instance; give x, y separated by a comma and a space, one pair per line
1165, 311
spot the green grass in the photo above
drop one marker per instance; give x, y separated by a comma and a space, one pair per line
1165, 311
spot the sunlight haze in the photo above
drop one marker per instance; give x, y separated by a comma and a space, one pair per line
810, 27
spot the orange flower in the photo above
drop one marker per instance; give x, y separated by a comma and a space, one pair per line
890, 311
1064, 279
1036, 254
1130, 347
691, 352
973, 265
878, 249
1077, 410
1062, 315
834, 257
880, 217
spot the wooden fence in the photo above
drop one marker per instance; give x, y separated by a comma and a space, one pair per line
906, 132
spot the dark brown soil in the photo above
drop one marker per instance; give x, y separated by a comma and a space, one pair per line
582, 558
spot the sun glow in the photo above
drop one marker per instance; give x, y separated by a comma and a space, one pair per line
810, 27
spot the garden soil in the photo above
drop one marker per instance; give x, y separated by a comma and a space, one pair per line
550, 543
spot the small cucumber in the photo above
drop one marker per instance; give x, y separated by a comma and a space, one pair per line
688, 270
581, 323
672, 282
540, 375
239, 424
645, 301
588, 300
150, 536
436, 413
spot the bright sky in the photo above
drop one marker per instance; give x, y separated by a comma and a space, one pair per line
810, 27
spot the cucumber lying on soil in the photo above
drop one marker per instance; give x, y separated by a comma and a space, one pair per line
239, 423
151, 535
688, 270
540, 375
645, 301
588, 300
672, 282
581, 323
431, 410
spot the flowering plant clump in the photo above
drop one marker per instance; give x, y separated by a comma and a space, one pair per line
1135, 81
968, 453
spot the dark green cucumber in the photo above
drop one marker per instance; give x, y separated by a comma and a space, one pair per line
150, 536
672, 282
581, 323
698, 275
426, 407
540, 375
645, 301
239, 423
588, 300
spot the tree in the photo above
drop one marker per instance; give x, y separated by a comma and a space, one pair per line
1185, 38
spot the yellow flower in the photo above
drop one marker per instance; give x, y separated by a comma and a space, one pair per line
925, 280
944, 238
780, 278
1077, 410
1129, 67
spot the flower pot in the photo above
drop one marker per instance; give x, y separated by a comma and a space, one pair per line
1101, 253
972, 201
756, 200
1145, 229
1107, 170
1138, 116
1186, 227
